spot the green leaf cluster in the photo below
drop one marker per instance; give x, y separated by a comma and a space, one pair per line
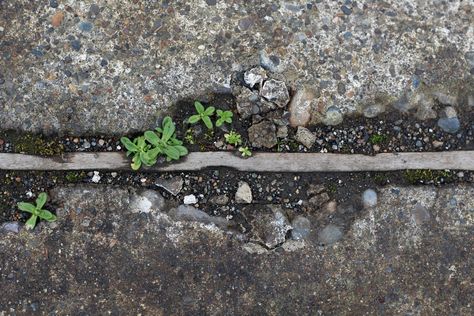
233, 138
245, 152
36, 211
224, 117
162, 142
204, 115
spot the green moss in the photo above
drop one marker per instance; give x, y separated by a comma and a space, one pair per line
331, 188
381, 178
378, 138
75, 176
37, 145
427, 176
189, 137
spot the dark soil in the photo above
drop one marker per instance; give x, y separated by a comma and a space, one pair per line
391, 132
287, 189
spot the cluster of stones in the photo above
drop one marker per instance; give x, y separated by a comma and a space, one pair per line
265, 98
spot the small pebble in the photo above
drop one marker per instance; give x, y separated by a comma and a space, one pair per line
190, 199
369, 198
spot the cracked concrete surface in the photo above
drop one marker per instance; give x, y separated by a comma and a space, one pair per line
90, 67
410, 254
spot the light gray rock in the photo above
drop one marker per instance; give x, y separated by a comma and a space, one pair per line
271, 228
147, 201
263, 134
173, 185
424, 104
449, 112
219, 199
446, 99
275, 91
305, 137
301, 228
300, 107
282, 132
369, 198
449, 125
333, 116
244, 193
10, 227
247, 102
330, 235
373, 110
420, 214
270, 62
192, 214
255, 76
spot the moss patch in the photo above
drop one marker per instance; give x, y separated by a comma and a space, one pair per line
428, 176
75, 176
36, 145
378, 139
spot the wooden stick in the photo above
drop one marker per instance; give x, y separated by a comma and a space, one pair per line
259, 162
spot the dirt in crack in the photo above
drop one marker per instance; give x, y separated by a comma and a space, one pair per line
215, 190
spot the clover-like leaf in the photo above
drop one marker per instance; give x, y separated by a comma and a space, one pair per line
199, 107
27, 207
136, 162
31, 222
207, 121
47, 215
129, 144
209, 111
194, 118
41, 200
172, 152
152, 138
183, 151
168, 131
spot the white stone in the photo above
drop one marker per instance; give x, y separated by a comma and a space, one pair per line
96, 177
369, 198
190, 199
244, 193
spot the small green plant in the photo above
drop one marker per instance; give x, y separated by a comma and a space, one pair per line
203, 114
245, 152
377, 138
36, 211
74, 176
165, 141
140, 151
189, 137
162, 142
223, 117
233, 138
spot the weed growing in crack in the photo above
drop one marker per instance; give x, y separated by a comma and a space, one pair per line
224, 117
204, 114
245, 152
36, 211
161, 142
233, 138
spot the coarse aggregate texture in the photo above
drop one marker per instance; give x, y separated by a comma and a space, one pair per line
409, 254
113, 67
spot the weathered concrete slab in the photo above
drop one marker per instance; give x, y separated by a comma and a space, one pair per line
410, 254
91, 67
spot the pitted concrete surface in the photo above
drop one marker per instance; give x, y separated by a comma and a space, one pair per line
409, 254
89, 67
